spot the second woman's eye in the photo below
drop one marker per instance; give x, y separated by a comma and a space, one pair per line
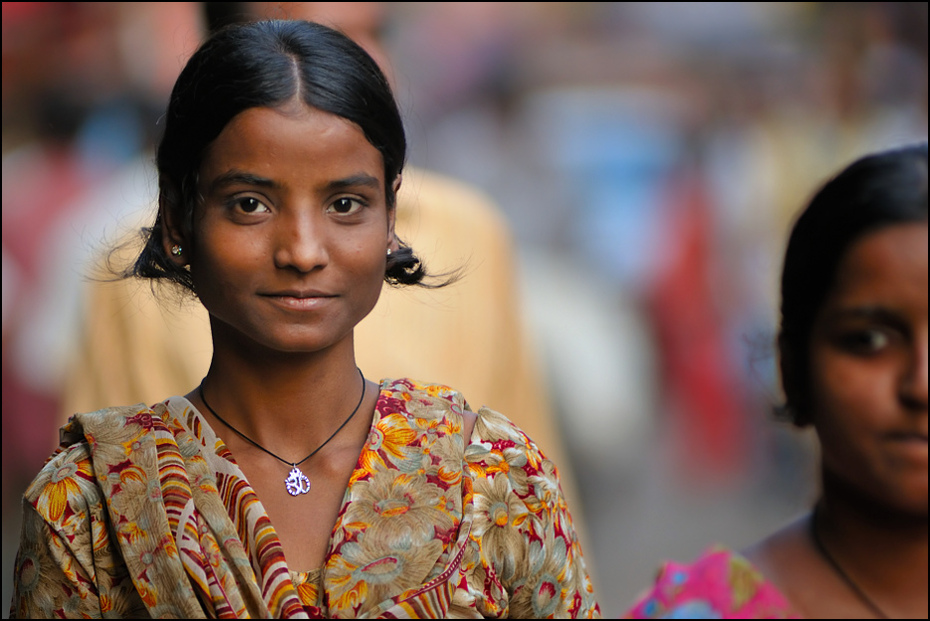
345, 206
865, 341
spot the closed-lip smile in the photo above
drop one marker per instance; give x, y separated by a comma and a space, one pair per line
911, 445
299, 294
909, 436
299, 299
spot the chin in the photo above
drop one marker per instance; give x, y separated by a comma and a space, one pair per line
303, 343
909, 503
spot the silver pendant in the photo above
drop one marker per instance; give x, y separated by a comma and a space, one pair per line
297, 482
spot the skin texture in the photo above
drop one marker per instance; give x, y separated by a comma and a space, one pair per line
869, 365
293, 202
287, 251
869, 408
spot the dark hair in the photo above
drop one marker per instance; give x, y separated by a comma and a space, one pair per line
876, 191
266, 64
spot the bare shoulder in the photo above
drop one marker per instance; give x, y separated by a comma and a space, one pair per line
789, 560
778, 555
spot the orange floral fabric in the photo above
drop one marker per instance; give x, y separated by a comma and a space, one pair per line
143, 512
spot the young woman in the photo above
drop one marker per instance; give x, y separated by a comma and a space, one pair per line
287, 484
853, 353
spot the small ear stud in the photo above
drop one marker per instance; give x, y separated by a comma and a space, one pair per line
389, 252
176, 250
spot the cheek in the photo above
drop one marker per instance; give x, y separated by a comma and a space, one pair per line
845, 397
839, 379
369, 275
219, 268
836, 384
853, 403
364, 258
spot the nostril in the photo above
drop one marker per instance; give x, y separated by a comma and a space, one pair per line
300, 250
914, 388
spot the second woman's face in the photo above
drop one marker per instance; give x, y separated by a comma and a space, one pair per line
869, 368
290, 239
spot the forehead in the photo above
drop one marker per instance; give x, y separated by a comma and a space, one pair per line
293, 139
887, 264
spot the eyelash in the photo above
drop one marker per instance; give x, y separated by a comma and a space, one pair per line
237, 204
355, 205
346, 199
869, 341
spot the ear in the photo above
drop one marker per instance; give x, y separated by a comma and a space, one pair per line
392, 215
172, 232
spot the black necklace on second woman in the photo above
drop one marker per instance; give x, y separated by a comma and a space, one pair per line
297, 482
835, 565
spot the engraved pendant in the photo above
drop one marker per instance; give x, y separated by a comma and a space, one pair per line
297, 482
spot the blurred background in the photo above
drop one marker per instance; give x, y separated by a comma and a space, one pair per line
648, 156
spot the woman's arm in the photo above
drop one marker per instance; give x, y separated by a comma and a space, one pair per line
66, 565
528, 544
53, 576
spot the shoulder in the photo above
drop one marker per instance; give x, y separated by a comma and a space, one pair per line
721, 583
69, 482
788, 558
420, 399
113, 424
506, 465
496, 432
426, 400
488, 434
65, 492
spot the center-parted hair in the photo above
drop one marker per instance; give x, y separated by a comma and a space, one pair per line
265, 64
878, 190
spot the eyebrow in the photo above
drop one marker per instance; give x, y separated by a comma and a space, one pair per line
871, 313
354, 180
234, 177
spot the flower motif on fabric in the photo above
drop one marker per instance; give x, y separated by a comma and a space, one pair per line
399, 507
64, 488
389, 442
143, 419
373, 568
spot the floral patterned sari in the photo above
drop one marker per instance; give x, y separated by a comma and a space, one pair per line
142, 512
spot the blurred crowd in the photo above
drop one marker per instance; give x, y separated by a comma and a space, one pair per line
649, 158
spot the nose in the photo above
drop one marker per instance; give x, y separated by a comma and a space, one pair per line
914, 382
300, 243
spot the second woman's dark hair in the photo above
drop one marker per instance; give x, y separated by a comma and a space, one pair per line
875, 191
266, 64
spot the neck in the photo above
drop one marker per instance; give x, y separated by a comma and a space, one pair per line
285, 402
882, 549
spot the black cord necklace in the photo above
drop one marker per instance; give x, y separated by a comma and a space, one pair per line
296, 482
855, 588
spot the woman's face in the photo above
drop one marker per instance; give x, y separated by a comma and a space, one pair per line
290, 240
869, 368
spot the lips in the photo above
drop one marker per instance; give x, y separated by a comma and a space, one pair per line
299, 293
909, 447
908, 436
299, 299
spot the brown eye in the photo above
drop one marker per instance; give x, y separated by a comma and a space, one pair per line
250, 204
345, 206
865, 341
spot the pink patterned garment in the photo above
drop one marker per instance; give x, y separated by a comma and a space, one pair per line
719, 585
